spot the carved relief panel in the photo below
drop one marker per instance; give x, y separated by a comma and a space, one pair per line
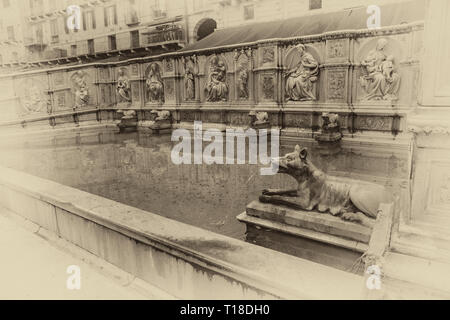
216, 87
33, 96
190, 78
154, 85
302, 74
336, 86
268, 87
379, 77
337, 50
243, 75
81, 89
267, 56
123, 87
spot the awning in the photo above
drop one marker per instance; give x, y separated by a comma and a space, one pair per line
352, 19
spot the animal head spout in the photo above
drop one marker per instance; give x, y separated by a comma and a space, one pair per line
294, 164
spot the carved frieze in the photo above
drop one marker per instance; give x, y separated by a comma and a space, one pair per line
298, 120
375, 123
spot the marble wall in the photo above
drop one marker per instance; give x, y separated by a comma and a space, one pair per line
368, 77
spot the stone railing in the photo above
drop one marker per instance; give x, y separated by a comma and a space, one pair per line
368, 77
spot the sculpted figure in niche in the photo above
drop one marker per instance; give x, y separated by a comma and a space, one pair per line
300, 79
154, 83
189, 83
381, 81
81, 90
217, 89
243, 82
123, 87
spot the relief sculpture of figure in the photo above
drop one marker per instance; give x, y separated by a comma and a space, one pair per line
352, 201
243, 83
189, 84
81, 90
154, 83
217, 89
380, 82
123, 87
300, 80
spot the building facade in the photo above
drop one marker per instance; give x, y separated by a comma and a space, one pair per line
37, 30
11, 32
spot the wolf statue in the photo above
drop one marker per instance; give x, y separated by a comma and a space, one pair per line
358, 202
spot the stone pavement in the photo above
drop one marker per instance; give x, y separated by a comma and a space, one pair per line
32, 267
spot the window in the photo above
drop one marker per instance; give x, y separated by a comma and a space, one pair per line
91, 47
38, 32
112, 43
73, 50
249, 12
315, 4
132, 13
6, 3
54, 30
110, 16
11, 35
89, 20
134, 39
158, 10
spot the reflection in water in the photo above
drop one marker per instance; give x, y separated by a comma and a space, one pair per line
137, 170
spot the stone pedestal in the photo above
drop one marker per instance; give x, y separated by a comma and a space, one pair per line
156, 127
128, 121
315, 236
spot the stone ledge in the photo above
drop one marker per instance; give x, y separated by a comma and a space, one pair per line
183, 255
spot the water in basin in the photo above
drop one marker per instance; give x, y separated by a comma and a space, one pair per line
136, 169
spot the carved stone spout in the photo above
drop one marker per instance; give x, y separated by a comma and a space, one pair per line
330, 130
319, 192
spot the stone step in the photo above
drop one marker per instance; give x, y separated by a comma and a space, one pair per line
422, 246
408, 277
428, 229
320, 222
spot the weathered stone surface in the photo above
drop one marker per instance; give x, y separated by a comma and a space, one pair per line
310, 220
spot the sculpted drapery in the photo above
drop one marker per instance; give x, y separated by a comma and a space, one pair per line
123, 87
381, 82
155, 87
300, 79
217, 89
